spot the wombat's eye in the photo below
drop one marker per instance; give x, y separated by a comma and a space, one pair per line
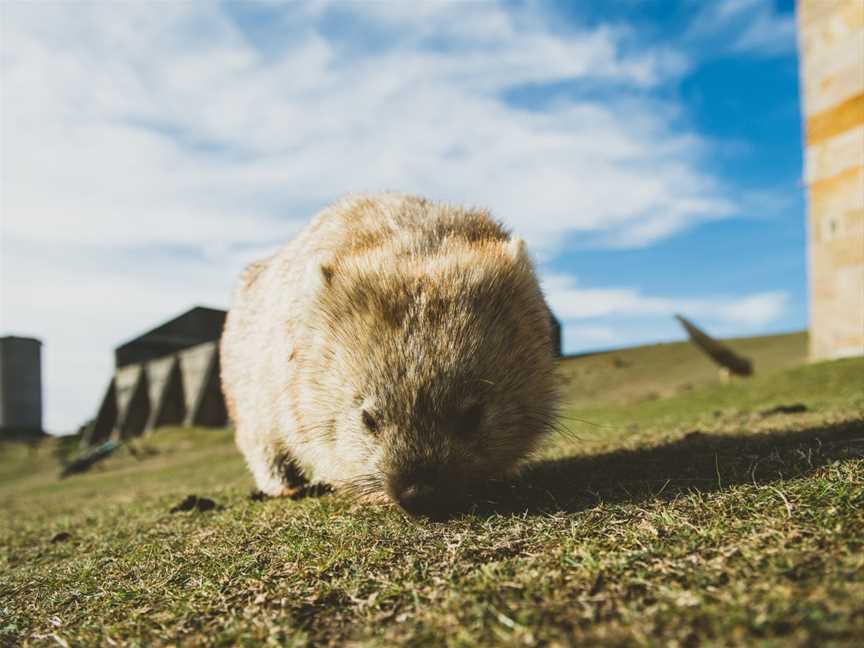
370, 422
470, 419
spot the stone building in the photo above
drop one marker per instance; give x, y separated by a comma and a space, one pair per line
20, 385
166, 376
831, 46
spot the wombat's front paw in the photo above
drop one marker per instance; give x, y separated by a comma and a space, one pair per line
259, 495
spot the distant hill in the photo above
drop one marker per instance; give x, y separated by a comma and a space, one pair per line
647, 372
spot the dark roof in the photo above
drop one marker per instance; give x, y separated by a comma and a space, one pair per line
195, 326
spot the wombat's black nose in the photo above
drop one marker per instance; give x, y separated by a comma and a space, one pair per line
421, 500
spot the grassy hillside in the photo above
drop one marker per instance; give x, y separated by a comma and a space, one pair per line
693, 514
647, 372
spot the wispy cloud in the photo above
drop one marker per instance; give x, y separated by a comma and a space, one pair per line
745, 26
573, 302
144, 119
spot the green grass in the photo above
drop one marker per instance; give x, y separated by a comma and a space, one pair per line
683, 518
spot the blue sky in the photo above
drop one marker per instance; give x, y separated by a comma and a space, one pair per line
648, 152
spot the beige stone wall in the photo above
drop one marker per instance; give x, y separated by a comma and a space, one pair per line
831, 45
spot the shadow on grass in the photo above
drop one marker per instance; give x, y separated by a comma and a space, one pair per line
697, 462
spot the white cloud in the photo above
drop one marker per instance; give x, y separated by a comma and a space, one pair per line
581, 337
572, 302
233, 137
745, 26
753, 310
769, 34
131, 130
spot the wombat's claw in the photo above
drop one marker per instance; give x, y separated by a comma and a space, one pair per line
258, 495
308, 490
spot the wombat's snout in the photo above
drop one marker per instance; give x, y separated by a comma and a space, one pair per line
424, 497
419, 499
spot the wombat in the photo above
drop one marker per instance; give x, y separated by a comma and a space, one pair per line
396, 348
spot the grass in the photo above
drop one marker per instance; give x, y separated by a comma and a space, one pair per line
687, 517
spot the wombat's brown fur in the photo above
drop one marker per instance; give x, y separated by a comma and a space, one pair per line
396, 347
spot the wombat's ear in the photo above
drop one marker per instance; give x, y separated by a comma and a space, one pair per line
327, 274
516, 249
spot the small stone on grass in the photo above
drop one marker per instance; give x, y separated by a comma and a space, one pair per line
193, 502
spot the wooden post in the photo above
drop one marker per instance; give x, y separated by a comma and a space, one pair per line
730, 362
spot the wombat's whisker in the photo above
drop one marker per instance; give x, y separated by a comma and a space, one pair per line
568, 417
362, 487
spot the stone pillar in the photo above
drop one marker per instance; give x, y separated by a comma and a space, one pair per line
167, 402
205, 405
20, 384
133, 402
831, 45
